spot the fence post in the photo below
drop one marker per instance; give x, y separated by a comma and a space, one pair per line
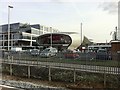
74, 75
12, 59
28, 71
8, 56
49, 73
104, 79
11, 69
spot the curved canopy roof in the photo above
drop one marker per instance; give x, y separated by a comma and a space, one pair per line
68, 40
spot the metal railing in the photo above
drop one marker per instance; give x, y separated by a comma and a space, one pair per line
78, 62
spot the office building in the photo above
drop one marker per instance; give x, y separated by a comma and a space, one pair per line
22, 35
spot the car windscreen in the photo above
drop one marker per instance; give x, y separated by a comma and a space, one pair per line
46, 50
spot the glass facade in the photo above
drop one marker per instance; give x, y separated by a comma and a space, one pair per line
58, 40
21, 34
34, 31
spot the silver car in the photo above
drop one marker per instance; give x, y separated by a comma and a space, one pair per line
48, 52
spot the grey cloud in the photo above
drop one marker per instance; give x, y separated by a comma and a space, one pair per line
110, 7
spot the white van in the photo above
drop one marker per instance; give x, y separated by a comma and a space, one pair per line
48, 52
16, 49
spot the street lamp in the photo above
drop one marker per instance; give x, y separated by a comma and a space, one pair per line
81, 36
9, 7
81, 33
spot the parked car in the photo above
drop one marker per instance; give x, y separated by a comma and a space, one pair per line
71, 55
16, 49
102, 54
48, 52
35, 52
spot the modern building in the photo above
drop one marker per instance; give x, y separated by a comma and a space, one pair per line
61, 40
97, 46
22, 35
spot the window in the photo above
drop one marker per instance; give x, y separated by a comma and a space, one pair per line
1, 37
41, 27
46, 29
35, 32
33, 38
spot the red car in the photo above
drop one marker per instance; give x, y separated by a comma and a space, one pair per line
71, 55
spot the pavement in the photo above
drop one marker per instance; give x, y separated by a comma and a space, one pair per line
4, 87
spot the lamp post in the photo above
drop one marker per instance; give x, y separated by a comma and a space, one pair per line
9, 7
81, 33
81, 36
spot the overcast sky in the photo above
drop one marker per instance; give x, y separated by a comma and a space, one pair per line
99, 17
